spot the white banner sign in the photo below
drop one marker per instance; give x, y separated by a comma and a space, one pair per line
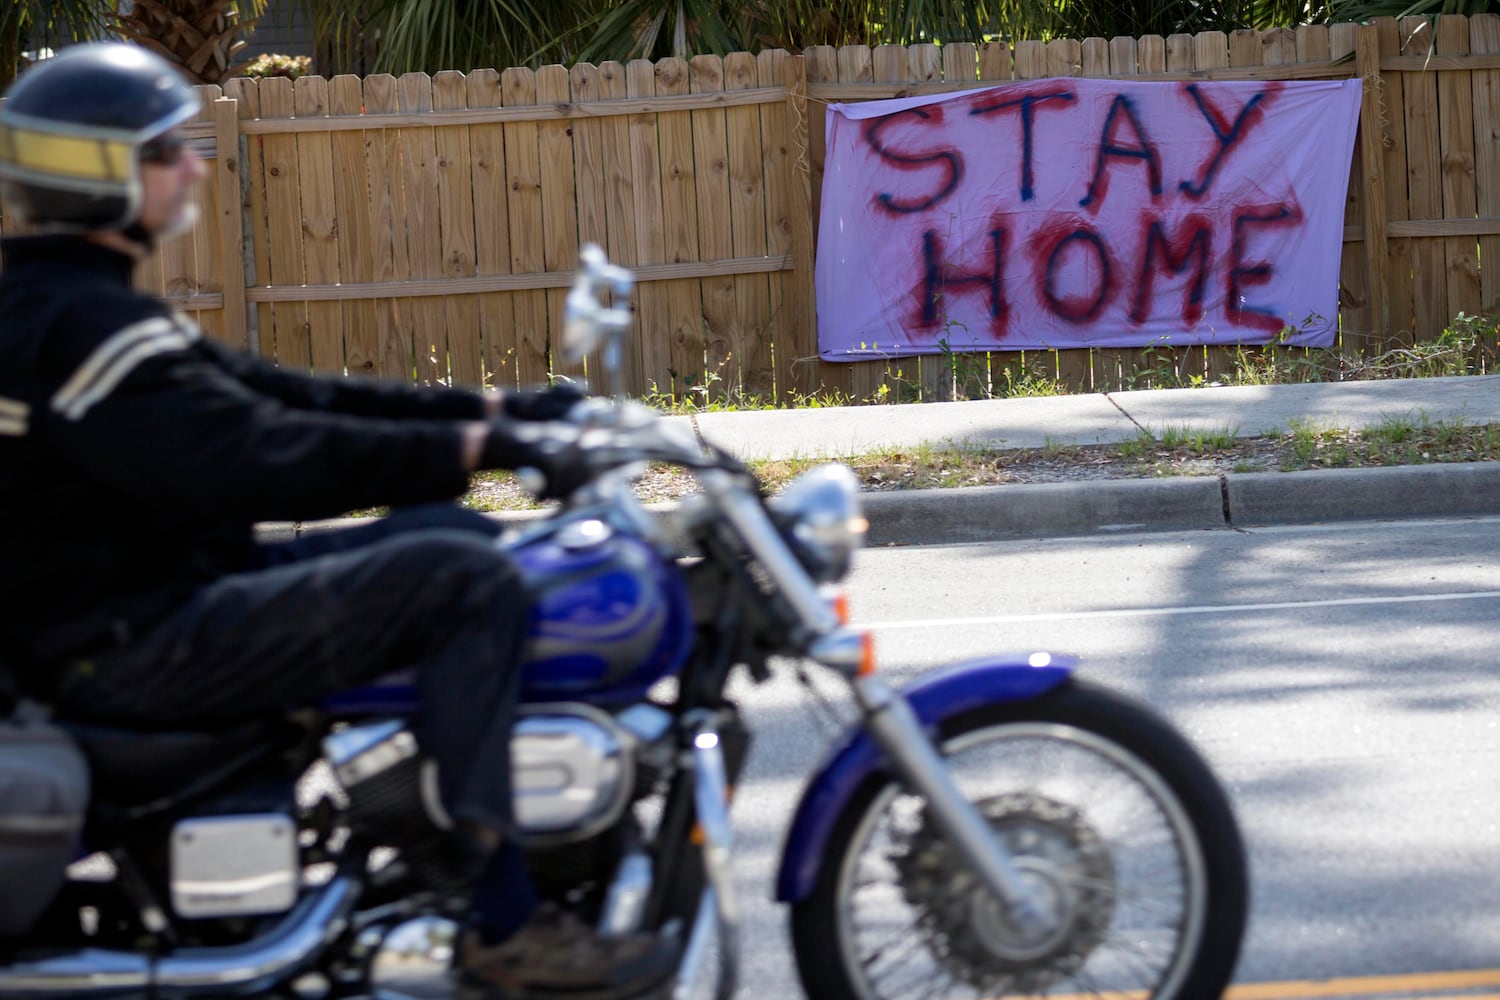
1072, 212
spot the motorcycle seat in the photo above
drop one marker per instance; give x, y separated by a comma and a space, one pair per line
130, 767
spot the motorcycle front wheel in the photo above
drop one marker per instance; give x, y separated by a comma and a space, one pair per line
1115, 822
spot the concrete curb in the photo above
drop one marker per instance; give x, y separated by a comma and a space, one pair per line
1059, 510
1439, 490
986, 513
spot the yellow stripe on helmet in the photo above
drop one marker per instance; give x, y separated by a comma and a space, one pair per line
30, 151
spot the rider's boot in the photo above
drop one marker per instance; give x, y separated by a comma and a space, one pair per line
555, 953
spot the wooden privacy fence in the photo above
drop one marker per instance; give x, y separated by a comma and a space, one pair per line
426, 227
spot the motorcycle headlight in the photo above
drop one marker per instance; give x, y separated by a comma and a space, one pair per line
819, 516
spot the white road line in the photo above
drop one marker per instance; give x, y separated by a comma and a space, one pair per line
1208, 609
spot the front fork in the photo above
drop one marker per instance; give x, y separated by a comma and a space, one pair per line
719, 905
697, 821
889, 718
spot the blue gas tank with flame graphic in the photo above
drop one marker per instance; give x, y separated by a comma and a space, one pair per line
610, 618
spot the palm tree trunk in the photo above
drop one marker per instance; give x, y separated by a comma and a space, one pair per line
199, 37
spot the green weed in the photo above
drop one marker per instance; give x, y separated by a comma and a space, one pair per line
1305, 439
1028, 381
1197, 440
1138, 447
1394, 430
1057, 449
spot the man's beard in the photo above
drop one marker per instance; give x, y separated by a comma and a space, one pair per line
184, 220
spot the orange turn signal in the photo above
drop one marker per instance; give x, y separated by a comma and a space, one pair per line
866, 654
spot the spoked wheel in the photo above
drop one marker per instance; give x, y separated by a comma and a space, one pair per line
1114, 821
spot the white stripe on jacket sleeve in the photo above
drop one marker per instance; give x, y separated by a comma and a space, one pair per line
116, 358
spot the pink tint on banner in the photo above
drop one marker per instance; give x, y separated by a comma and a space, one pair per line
1068, 213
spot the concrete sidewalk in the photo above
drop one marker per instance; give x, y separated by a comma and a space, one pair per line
924, 517
1097, 418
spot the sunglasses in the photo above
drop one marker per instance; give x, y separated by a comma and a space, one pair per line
163, 151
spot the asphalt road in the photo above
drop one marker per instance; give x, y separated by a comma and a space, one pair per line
1341, 680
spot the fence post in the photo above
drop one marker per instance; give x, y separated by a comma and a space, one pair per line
230, 224
802, 297
1377, 267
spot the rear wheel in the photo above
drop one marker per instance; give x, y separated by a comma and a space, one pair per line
1114, 821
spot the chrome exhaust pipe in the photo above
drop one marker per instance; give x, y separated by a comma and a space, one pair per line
92, 973
240, 970
257, 965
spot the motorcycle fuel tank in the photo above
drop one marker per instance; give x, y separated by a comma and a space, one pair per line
611, 616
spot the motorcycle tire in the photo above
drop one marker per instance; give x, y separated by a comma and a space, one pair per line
946, 928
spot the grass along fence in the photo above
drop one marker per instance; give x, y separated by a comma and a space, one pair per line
426, 227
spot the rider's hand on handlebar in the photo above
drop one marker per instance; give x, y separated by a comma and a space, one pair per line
546, 403
552, 449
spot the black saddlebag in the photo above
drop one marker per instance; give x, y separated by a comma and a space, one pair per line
44, 790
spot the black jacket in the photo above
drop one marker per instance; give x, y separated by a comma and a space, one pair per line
136, 455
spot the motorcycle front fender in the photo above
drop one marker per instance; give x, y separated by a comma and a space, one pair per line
936, 697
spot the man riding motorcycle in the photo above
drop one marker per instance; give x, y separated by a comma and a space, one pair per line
137, 455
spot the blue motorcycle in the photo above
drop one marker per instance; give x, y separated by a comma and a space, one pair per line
999, 828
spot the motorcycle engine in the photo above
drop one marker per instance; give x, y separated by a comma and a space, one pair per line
573, 772
393, 799
234, 866
239, 856
573, 769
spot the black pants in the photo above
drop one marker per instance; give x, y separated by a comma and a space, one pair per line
424, 588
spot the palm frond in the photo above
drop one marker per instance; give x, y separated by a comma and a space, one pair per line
654, 29
433, 35
46, 24
1364, 11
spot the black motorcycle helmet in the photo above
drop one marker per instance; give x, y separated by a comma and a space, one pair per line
71, 130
